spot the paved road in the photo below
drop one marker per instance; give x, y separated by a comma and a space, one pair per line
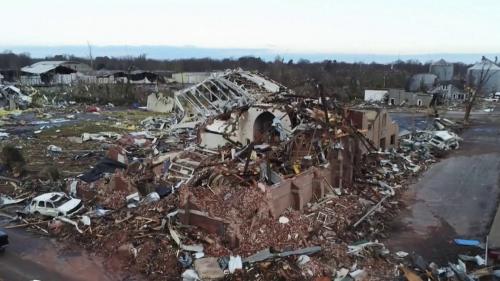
31, 257
456, 197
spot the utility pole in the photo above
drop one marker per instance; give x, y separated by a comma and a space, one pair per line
90, 56
319, 88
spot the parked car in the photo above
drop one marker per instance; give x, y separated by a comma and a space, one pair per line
4, 240
54, 204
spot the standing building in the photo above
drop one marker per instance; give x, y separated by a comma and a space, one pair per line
422, 82
400, 97
442, 69
485, 70
375, 95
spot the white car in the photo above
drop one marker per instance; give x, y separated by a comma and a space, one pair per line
55, 204
445, 140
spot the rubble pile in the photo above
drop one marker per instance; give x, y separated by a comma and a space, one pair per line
12, 98
244, 180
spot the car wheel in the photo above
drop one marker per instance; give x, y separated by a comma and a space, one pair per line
38, 215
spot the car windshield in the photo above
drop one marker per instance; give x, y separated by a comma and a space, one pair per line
438, 138
55, 197
60, 201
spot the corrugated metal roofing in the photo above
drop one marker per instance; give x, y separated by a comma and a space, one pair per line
42, 67
486, 64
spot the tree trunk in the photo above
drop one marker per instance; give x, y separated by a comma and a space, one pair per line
470, 104
468, 108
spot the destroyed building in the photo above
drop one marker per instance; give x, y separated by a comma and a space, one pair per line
46, 73
376, 125
104, 76
143, 77
449, 92
191, 77
157, 102
290, 146
242, 168
12, 98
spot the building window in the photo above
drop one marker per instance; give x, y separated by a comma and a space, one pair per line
393, 102
382, 144
419, 102
393, 139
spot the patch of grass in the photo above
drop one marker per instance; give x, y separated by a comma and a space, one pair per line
77, 130
134, 115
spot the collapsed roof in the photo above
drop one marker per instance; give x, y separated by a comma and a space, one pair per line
46, 66
224, 92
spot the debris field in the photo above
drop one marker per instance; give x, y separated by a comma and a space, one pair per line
238, 178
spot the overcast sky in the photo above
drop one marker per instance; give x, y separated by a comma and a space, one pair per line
345, 26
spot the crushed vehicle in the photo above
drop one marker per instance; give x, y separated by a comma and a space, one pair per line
444, 140
55, 204
4, 241
12, 98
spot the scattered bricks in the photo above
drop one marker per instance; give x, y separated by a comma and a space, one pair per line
85, 191
119, 182
203, 221
131, 141
125, 251
114, 200
232, 211
158, 171
318, 187
117, 154
297, 191
93, 109
208, 269
233, 236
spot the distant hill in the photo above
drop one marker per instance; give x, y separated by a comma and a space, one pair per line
172, 52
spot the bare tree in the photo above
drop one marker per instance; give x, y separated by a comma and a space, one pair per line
477, 86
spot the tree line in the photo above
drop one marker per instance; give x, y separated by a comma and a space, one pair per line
339, 79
